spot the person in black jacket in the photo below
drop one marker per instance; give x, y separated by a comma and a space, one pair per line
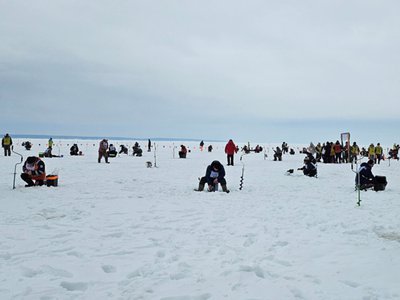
182, 153
34, 172
137, 151
277, 154
123, 149
74, 150
27, 145
364, 174
215, 173
309, 168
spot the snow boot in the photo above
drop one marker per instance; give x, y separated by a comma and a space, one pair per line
201, 188
224, 188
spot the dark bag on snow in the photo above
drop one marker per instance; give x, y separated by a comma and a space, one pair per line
380, 183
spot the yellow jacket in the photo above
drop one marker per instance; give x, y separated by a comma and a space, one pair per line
378, 150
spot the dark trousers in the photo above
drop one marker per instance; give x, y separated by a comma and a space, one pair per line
7, 151
221, 181
230, 159
101, 154
27, 178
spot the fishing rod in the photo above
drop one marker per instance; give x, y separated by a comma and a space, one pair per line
15, 167
358, 185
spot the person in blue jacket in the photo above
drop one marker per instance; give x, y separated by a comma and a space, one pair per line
215, 174
367, 179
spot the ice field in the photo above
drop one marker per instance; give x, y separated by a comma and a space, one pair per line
125, 231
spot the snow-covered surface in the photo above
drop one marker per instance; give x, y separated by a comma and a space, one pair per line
124, 231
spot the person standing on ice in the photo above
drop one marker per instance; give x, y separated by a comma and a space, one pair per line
354, 152
201, 145
378, 153
50, 143
103, 147
230, 150
371, 152
277, 154
6, 143
34, 172
149, 145
215, 174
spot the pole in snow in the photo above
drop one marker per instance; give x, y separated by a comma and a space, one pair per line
241, 177
15, 167
155, 156
358, 185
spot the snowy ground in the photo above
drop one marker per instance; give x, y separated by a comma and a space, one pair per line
124, 231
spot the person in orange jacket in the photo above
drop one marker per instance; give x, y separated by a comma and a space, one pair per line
230, 150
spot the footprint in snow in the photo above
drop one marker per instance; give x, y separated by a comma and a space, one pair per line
249, 241
256, 269
160, 253
74, 286
201, 297
297, 293
108, 269
350, 283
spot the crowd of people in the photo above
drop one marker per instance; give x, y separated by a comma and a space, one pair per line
335, 152
329, 152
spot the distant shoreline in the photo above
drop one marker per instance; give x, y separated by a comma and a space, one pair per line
73, 137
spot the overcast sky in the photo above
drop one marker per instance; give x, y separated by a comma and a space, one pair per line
247, 70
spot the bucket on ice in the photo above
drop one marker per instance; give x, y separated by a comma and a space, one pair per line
52, 180
380, 183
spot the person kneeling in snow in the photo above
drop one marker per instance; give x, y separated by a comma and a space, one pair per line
34, 170
183, 152
364, 176
123, 150
74, 150
309, 168
48, 153
215, 174
112, 151
137, 151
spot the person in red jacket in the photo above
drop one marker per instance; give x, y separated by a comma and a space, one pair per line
230, 150
338, 152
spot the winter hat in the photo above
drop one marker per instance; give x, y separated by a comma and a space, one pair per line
31, 160
216, 164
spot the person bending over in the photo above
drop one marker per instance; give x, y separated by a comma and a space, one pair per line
309, 168
74, 150
34, 172
364, 176
215, 173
